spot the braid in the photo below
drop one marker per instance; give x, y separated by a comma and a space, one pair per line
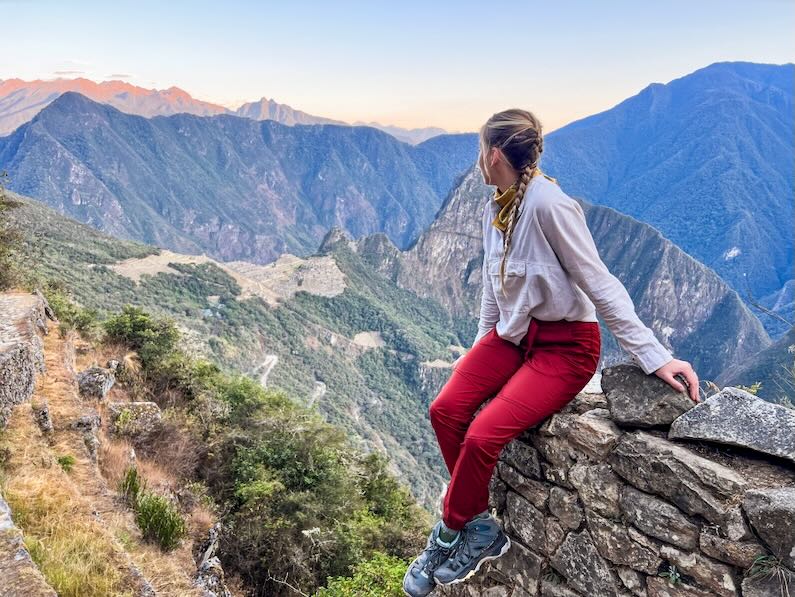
517, 133
524, 179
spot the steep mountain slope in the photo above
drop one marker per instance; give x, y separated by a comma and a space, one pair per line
691, 310
773, 367
367, 355
230, 187
707, 160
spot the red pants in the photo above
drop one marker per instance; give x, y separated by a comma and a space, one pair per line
526, 388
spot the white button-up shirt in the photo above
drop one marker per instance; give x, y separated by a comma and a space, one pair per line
554, 272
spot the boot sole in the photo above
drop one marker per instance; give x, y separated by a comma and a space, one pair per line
474, 571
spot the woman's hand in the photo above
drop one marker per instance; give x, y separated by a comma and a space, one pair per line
683, 368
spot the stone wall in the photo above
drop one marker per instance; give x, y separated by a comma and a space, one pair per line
639, 491
23, 317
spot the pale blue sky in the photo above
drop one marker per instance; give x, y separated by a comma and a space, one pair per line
408, 62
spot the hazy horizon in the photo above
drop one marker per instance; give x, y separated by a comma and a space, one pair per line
413, 65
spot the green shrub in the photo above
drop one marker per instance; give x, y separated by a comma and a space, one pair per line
159, 520
153, 339
70, 315
380, 576
131, 486
67, 461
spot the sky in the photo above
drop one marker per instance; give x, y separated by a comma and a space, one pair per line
409, 63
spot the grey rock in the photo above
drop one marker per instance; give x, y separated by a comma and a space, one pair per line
660, 587
615, 543
209, 572
564, 505
599, 488
497, 491
736, 417
519, 567
555, 534
715, 576
90, 422
550, 589
554, 474
591, 432
92, 443
632, 579
41, 412
658, 518
578, 560
137, 420
695, 484
537, 492
772, 514
22, 322
522, 457
639, 400
95, 382
737, 553
524, 521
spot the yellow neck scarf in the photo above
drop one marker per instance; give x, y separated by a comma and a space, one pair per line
505, 200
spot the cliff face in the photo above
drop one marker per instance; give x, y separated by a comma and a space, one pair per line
608, 498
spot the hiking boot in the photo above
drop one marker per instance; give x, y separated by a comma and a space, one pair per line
481, 540
418, 580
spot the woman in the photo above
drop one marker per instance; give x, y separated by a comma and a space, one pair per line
538, 342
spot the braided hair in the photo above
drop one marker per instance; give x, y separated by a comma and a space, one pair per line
518, 135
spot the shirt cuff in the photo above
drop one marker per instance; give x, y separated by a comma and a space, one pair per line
652, 359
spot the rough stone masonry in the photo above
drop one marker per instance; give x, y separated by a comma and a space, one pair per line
638, 491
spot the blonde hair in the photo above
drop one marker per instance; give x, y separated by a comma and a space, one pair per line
517, 133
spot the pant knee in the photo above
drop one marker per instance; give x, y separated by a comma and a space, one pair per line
482, 445
435, 410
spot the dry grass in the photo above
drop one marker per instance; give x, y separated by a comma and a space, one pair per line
84, 539
73, 551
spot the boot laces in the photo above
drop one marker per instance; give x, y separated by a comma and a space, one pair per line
464, 547
438, 554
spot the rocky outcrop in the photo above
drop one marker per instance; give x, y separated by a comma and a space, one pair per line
603, 499
209, 573
24, 319
738, 418
138, 421
96, 382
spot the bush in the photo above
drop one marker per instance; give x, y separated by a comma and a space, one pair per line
159, 520
67, 461
131, 486
156, 516
380, 576
69, 314
153, 339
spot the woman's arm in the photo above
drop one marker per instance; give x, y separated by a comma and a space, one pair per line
489, 311
564, 226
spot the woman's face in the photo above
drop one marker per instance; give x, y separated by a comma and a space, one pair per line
484, 165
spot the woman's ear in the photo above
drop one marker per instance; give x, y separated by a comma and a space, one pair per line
494, 156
